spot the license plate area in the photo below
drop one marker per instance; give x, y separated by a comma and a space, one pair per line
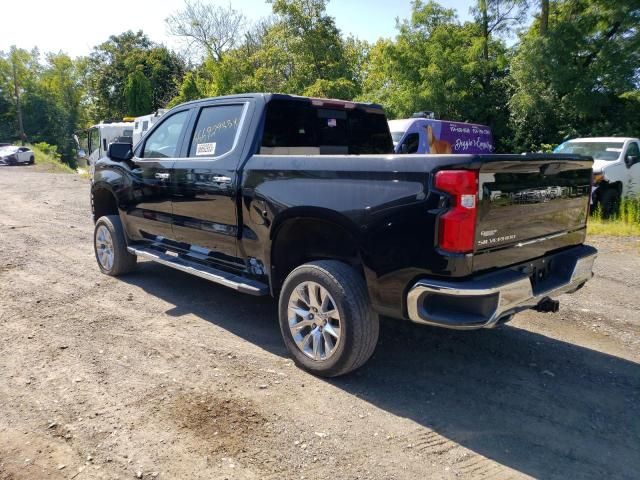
540, 273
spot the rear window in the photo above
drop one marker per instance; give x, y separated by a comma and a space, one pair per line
299, 128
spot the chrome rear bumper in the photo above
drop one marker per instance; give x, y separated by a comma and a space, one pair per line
483, 301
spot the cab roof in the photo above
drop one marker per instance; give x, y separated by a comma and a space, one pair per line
281, 96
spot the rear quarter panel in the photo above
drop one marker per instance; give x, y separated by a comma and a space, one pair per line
382, 200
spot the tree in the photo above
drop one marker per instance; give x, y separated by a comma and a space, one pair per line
299, 50
580, 77
61, 82
192, 88
111, 63
211, 29
48, 98
437, 63
19, 60
544, 17
138, 93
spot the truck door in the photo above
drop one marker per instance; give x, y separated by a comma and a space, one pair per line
205, 182
148, 210
632, 162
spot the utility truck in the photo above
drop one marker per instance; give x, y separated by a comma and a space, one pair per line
94, 142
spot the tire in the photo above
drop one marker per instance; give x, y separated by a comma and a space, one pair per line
110, 246
353, 320
32, 160
609, 202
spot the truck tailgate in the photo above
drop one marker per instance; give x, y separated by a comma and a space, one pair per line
531, 199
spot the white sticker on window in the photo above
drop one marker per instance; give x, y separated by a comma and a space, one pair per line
206, 149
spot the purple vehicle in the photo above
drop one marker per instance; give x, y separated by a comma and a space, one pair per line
427, 135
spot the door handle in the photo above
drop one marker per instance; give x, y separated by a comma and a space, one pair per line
221, 179
162, 176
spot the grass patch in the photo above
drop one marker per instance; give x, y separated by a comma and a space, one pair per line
613, 228
47, 157
625, 223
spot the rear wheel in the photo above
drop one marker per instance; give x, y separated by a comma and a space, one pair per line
111, 247
32, 160
326, 319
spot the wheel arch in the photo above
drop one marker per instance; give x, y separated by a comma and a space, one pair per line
307, 234
617, 186
103, 201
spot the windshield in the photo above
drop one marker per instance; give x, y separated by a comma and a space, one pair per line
396, 136
6, 150
598, 150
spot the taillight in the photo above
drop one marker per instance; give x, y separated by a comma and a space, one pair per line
457, 227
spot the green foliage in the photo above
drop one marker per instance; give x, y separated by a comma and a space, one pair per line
299, 51
581, 77
192, 88
438, 64
47, 158
51, 150
138, 94
113, 63
49, 95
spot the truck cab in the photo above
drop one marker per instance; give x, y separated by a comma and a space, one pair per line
616, 168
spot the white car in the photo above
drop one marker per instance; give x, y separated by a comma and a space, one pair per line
616, 169
13, 155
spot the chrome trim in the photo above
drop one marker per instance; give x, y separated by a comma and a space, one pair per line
172, 259
514, 295
540, 239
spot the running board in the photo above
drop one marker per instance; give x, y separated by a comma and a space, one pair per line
242, 284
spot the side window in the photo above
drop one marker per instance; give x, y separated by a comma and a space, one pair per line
411, 143
216, 131
633, 150
164, 141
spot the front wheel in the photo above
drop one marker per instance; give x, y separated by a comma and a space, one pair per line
326, 319
110, 246
609, 203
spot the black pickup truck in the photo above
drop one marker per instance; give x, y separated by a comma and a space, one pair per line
303, 199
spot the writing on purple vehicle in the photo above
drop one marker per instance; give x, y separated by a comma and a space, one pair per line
426, 135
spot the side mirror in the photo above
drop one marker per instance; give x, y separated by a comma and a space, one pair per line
120, 152
404, 148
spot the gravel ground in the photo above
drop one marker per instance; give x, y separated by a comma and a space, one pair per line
163, 375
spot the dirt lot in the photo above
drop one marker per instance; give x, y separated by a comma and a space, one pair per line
163, 375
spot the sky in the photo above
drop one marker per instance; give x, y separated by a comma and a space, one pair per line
76, 26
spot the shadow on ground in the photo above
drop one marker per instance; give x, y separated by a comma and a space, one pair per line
544, 407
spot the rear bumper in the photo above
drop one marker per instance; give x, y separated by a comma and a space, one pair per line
482, 301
